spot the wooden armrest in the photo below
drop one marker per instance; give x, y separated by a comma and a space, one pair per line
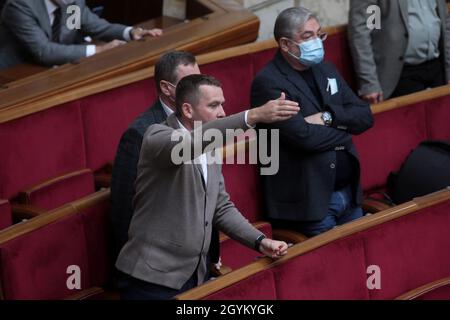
416, 293
374, 206
86, 294
26, 211
288, 236
218, 273
102, 180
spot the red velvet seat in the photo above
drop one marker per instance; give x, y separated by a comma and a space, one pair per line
437, 118
409, 251
5, 214
39, 146
34, 265
58, 191
384, 148
258, 287
106, 116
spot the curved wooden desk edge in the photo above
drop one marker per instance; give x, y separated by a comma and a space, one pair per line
316, 242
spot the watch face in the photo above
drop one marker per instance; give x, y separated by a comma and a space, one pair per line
326, 117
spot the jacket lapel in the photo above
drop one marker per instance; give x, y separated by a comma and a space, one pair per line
403, 5
322, 84
42, 15
158, 112
294, 78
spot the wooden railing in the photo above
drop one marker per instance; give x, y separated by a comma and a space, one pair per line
317, 242
227, 25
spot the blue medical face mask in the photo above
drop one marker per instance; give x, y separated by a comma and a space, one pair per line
311, 52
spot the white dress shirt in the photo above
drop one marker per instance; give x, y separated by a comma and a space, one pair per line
202, 159
90, 49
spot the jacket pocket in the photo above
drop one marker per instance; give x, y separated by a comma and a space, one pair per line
163, 255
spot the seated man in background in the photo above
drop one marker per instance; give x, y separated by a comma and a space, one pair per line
37, 31
177, 204
317, 186
409, 53
169, 70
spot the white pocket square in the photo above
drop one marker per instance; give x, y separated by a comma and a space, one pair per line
332, 86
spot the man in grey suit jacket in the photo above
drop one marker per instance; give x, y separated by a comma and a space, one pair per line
411, 51
169, 70
37, 31
176, 205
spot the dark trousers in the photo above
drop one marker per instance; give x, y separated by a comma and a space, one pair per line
135, 289
415, 78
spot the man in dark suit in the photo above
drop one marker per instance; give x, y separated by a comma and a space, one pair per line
317, 185
39, 31
169, 69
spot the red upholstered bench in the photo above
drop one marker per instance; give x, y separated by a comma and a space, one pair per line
40, 146
107, 115
385, 147
5, 214
54, 193
408, 244
35, 255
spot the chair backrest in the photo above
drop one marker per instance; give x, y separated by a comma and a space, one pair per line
38, 257
5, 214
39, 146
107, 115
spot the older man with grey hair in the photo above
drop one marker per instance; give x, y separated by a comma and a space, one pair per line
317, 186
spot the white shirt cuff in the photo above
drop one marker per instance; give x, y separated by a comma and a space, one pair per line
90, 50
246, 122
126, 33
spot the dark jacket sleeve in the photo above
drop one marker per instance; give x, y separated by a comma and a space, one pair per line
353, 115
122, 184
296, 131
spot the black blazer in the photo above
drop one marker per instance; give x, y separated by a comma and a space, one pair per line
301, 190
125, 172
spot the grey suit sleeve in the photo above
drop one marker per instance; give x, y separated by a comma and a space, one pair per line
166, 146
230, 221
100, 29
19, 19
360, 42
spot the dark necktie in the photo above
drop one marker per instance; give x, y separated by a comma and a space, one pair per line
56, 26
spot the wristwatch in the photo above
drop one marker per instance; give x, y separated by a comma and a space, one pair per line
327, 118
258, 242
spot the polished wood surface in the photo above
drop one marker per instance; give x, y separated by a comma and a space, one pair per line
313, 243
220, 29
54, 215
416, 293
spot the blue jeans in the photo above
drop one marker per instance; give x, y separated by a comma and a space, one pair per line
340, 211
